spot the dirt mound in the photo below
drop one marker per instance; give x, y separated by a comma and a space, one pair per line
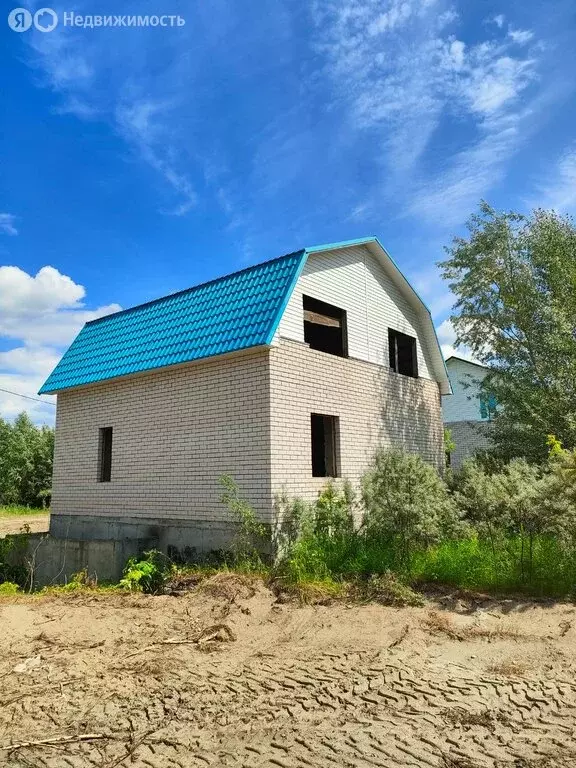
230, 586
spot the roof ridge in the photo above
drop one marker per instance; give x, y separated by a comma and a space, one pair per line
195, 287
465, 360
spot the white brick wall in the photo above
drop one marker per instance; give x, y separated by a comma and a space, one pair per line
175, 432
469, 437
375, 407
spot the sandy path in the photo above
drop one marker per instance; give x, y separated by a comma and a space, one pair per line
451, 685
37, 523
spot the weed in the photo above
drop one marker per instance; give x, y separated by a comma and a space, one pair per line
148, 574
19, 511
229, 586
486, 718
251, 534
80, 581
12, 549
452, 761
499, 633
440, 624
9, 588
311, 592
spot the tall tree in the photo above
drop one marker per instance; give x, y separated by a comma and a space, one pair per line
25, 461
514, 278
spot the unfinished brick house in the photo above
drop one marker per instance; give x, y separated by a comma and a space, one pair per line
281, 375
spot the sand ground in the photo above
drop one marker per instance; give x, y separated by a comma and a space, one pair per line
226, 675
37, 523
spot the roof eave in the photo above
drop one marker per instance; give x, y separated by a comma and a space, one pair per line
235, 352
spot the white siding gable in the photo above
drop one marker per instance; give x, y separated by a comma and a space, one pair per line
464, 404
352, 279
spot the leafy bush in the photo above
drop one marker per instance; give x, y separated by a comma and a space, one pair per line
324, 539
558, 494
148, 574
407, 503
11, 550
9, 588
498, 527
80, 581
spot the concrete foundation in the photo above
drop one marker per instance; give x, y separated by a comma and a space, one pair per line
53, 561
103, 545
183, 540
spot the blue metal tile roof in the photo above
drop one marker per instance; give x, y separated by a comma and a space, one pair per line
231, 313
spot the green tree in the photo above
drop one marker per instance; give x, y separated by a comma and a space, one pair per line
26, 453
514, 278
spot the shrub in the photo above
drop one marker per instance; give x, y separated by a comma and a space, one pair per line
293, 517
148, 574
9, 588
12, 549
334, 511
407, 504
558, 494
324, 540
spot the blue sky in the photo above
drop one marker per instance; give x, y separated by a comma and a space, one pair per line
140, 161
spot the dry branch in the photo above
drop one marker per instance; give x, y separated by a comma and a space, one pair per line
54, 741
221, 632
40, 688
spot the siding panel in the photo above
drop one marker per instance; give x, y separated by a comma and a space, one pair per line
352, 279
464, 403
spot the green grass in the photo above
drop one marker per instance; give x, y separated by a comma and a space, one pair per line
549, 570
21, 511
511, 566
358, 567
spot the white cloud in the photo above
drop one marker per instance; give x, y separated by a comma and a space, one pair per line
43, 312
494, 82
453, 193
404, 71
22, 294
520, 36
447, 338
8, 224
35, 359
398, 13
11, 405
140, 124
433, 290
498, 20
558, 190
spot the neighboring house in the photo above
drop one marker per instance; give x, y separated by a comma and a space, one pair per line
467, 412
282, 375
